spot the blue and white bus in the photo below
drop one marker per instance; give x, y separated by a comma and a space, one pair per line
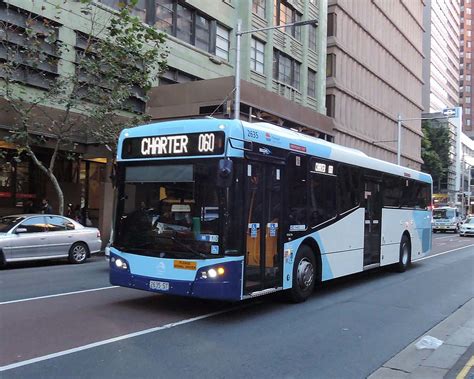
225, 209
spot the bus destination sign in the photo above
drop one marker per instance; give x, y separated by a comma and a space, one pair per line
177, 145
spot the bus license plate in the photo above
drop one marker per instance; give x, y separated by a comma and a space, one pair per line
157, 285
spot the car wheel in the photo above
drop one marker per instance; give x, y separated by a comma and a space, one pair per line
78, 252
304, 275
405, 254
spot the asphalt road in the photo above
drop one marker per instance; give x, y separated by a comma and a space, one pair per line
347, 329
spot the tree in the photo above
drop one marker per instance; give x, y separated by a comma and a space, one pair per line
435, 151
110, 72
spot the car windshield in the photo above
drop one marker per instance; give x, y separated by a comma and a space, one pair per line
443, 213
169, 209
469, 221
8, 222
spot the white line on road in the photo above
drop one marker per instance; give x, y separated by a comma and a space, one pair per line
444, 252
111, 340
58, 294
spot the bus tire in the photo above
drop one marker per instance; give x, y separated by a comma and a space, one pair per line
405, 254
78, 252
304, 275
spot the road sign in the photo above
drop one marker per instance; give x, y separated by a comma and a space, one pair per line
449, 112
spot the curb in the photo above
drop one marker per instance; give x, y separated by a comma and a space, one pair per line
457, 333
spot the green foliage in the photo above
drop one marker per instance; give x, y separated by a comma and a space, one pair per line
435, 150
114, 70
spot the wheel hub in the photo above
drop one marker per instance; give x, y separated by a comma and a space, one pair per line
305, 273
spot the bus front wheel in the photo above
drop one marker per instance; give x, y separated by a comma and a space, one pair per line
405, 254
304, 275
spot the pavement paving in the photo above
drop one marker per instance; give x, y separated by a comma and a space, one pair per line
453, 359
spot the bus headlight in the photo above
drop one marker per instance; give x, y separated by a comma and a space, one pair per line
213, 273
120, 263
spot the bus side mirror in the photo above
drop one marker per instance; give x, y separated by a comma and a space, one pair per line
225, 171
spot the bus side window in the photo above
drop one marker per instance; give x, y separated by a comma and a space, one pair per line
348, 191
297, 190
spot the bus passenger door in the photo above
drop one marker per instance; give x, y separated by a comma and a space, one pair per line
263, 222
373, 221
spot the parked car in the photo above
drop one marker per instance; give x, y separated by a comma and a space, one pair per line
467, 227
27, 237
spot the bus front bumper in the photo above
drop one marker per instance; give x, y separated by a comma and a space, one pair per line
227, 286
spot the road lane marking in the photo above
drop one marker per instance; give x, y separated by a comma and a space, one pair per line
58, 294
112, 340
442, 253
469, 365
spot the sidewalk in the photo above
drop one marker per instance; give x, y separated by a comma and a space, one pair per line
453, 359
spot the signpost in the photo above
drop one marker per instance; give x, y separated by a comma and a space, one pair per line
449, 112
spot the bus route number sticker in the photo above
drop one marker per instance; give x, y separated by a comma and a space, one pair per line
253, 229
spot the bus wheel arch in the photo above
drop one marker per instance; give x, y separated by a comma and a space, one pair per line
405, 252
306, 271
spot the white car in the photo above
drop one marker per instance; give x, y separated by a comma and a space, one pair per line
467, 227
26, 237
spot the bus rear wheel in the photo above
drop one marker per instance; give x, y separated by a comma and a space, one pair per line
405, 254
304, 275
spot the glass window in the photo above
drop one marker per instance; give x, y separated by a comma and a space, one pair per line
409, 194
285, 14
257, 55
138, 10
330, 65
322, 192
164, 15
202, 33
258, 7
392, 191
332, 19
8, 222
34, 225
348, 187
184, 23
57, 224
311, 83
296, 30
286, 70
222, 42
171, 215
297, 202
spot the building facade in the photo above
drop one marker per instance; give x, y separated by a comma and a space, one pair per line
441, 47
466, 69
282, 70
374, 74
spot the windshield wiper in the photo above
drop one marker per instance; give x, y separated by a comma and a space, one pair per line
182, 244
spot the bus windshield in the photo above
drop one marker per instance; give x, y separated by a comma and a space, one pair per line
169, 210
439, 214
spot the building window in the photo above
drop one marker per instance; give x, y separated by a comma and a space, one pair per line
468, 89
138, 10
332, 18
202, 33
311, 83
330, 105
286, 69
467, 111
222, 42
330, 65
468, 99
258, 7
191, 26
173, 76
37, 52
184, 24
468, 122
257, 55
312, 41
285, 14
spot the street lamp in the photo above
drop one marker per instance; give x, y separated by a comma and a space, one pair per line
239, 34
399, 125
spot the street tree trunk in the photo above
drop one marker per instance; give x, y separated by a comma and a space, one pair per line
48, 171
